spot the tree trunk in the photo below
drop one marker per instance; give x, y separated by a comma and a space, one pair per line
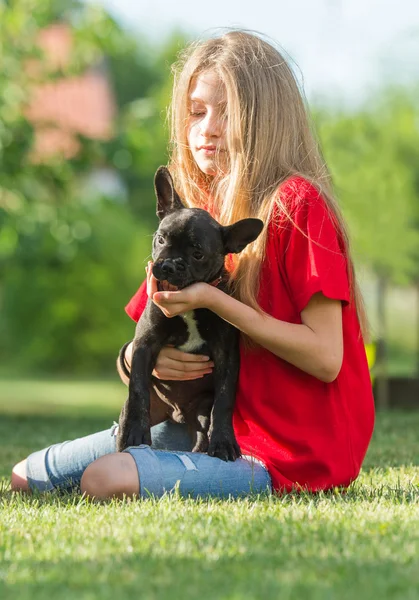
381, 367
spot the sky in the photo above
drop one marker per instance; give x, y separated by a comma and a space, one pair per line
341, 49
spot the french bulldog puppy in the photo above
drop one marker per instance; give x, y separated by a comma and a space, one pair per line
188, 247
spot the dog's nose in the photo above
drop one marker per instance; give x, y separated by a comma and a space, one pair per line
168, 268
180, 265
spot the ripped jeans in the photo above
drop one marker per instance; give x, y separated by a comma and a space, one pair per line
167, 464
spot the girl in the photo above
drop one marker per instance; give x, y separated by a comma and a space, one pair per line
242, 147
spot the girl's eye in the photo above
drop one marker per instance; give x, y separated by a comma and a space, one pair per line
198, 255
196, 112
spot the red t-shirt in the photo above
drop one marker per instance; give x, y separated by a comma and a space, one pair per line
310, 434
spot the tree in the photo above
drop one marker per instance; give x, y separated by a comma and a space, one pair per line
378, 196
68, 261
140, 144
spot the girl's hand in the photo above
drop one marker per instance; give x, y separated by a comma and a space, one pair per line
177, 303
173, 364
151, 280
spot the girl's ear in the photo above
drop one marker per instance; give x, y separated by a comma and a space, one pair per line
167, 198
237, 236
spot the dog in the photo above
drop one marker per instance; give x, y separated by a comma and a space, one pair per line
188, 247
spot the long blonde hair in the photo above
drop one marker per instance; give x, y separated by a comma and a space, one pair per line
269, 137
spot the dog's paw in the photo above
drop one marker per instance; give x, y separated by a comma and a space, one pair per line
224, 448
133, 435
201, 445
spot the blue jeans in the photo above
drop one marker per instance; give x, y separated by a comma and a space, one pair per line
167, 464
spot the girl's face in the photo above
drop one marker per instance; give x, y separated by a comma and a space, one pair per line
207, 123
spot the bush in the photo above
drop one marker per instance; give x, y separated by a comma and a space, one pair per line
63, 297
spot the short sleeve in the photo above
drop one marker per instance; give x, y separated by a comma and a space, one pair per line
312, 251
137, 304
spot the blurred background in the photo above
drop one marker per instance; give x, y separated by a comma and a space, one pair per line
83, 94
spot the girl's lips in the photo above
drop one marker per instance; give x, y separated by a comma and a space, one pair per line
210, 149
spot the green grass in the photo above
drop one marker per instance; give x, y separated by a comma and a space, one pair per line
363, 544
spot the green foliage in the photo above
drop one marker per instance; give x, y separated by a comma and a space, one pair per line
63, 298
69, 260
140, 144
367, 152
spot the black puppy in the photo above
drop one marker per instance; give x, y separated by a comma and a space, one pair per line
189, 246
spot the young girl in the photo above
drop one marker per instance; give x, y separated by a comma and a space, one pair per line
242, 147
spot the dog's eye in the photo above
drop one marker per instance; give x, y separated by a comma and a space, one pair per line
160, 239
198, 255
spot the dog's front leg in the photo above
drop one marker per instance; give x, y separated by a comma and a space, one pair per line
134, 420
222, 441
199, 423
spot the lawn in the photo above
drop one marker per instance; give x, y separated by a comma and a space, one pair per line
363, 544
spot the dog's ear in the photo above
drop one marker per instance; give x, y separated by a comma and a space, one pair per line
237, 236
167, 198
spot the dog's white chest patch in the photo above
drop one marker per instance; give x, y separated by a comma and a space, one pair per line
194, 340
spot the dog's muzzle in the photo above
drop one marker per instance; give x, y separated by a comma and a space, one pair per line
170, 274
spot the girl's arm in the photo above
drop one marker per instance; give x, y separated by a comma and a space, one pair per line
315, 346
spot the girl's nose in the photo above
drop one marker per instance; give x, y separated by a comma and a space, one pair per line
210, 126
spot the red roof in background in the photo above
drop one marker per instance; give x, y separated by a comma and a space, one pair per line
65, 107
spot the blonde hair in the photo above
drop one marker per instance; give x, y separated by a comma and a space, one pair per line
269, 138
